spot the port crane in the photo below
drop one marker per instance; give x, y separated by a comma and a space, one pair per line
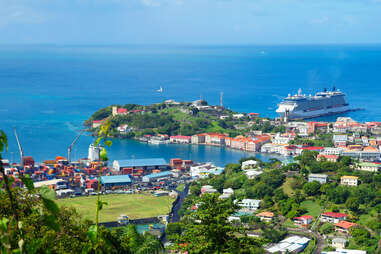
20, 149
72, 144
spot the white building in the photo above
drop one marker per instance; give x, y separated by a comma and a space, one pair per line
339, 243
292, 244
279, 140
321, 178
251, 174
349, 180
333, 151
203, 170
250, 204
344, 251
94, 152
249, 164
238, 116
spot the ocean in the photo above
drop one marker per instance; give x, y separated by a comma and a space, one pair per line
47, 91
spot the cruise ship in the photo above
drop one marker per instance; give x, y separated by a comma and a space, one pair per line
300, 106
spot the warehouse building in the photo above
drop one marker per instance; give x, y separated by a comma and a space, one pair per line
141, 166
157, 176
115, 181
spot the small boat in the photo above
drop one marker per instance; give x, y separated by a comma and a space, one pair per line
160, 90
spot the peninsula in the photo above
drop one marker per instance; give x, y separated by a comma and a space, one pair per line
179, 118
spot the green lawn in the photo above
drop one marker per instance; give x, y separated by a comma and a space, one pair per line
312, 207
365, 218
133, 205
287, 189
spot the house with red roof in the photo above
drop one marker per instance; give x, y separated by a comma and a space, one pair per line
215, 138
333, 217
119, 111
344, 226
253, 114
303, 220
97, 123
328, 157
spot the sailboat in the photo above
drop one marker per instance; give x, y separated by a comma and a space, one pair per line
160, 90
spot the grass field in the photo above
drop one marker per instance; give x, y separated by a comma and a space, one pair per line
133, 205
287, 189
312, 207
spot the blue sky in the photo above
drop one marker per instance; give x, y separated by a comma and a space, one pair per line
190, 21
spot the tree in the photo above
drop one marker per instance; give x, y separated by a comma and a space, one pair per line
195, 189
211, 232
353, 204
311, 188
326, 228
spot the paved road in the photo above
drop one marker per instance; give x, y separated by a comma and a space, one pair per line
175, 217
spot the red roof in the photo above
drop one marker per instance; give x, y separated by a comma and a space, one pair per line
335, 215
253, 114
313, 148
304, 217
121, 110
345, 224
328, 156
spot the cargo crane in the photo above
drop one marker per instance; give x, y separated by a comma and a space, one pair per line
71, 146
20, 149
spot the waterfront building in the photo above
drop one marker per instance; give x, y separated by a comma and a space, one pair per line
321, 178
180, 139
97, 123
333, 217
198, 138
349, 180
94, 152
215, 139
146, 165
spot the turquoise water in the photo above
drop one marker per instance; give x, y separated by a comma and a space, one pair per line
48, 91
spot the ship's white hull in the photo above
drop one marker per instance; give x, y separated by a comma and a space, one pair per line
295, 114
